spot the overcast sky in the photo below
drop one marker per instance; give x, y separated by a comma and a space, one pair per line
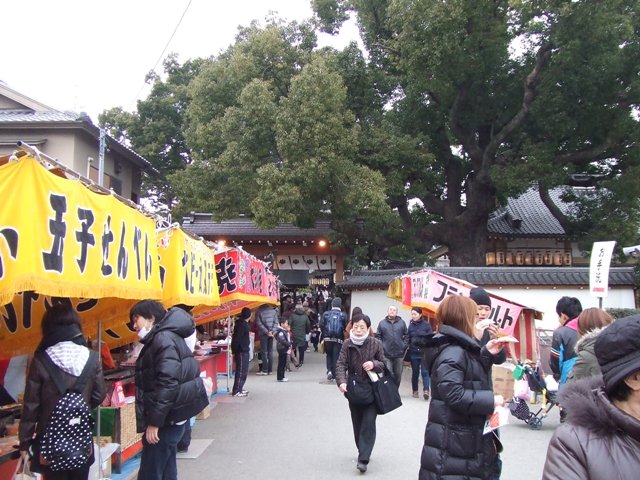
91, 55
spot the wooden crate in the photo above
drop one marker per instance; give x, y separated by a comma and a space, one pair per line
128, 434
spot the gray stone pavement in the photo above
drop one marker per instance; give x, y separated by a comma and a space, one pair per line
302, 430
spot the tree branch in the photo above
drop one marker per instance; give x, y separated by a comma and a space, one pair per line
543, 191
464, 135
586, 155
530, 86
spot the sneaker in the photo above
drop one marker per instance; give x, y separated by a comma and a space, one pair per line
245, 391
362, 467
261, 373
283, 380
240, 394
330, 377
270, 373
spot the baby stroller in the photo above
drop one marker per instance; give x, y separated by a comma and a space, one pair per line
520, 408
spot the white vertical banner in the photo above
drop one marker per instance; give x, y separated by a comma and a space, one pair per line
599, 270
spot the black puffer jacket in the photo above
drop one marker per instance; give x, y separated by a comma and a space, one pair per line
168, 385
461, 401
597, 441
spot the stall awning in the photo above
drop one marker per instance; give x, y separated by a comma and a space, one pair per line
61, 241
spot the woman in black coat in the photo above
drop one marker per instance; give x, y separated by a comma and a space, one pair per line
461, 397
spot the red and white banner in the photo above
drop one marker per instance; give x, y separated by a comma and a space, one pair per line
428, 288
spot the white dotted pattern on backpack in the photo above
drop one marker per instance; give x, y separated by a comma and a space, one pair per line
67, 441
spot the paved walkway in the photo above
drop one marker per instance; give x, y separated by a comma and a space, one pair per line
302, 430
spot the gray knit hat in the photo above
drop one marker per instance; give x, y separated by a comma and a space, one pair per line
617, 349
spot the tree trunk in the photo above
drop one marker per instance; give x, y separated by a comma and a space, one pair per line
467, 246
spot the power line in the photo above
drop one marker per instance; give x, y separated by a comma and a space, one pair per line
164, 50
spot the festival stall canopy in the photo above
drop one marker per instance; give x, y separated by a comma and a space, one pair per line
428, 288
241, 280
61, 241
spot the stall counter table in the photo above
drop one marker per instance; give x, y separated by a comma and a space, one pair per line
209, 366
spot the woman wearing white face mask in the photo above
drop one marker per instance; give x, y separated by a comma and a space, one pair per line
169, 389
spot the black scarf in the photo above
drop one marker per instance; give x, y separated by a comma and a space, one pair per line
62, 333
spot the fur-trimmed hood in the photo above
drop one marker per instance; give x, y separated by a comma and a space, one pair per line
589, 407
588, 339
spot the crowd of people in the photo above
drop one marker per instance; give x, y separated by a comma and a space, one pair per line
595, 360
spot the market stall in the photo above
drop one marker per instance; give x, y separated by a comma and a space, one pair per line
427, 288
61, 241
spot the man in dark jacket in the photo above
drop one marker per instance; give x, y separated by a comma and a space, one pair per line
169, 389
267, 323
564, 337
392, 332
240, 345
300, 327
563, 355
333, 339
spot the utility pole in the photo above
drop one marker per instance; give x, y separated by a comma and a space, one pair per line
102, 148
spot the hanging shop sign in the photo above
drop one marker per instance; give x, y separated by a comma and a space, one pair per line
59, 238
187, 269
428, 288
62, 242
242, 281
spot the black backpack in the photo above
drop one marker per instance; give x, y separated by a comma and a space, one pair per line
334, 326
67, 440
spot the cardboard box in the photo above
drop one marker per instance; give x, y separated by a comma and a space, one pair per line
503, 381
204, 413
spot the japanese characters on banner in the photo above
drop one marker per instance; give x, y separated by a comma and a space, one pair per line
428, 288
241, 276
242, 281
599, 268
188, 271
60, 239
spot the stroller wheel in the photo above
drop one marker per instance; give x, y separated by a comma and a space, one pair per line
535, 423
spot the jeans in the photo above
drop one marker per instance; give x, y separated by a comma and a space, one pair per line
395, 366
158, 462
185, 440
282, 364
332, 349
418, 369
301, 349
363, 419
242, 368
266, 350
